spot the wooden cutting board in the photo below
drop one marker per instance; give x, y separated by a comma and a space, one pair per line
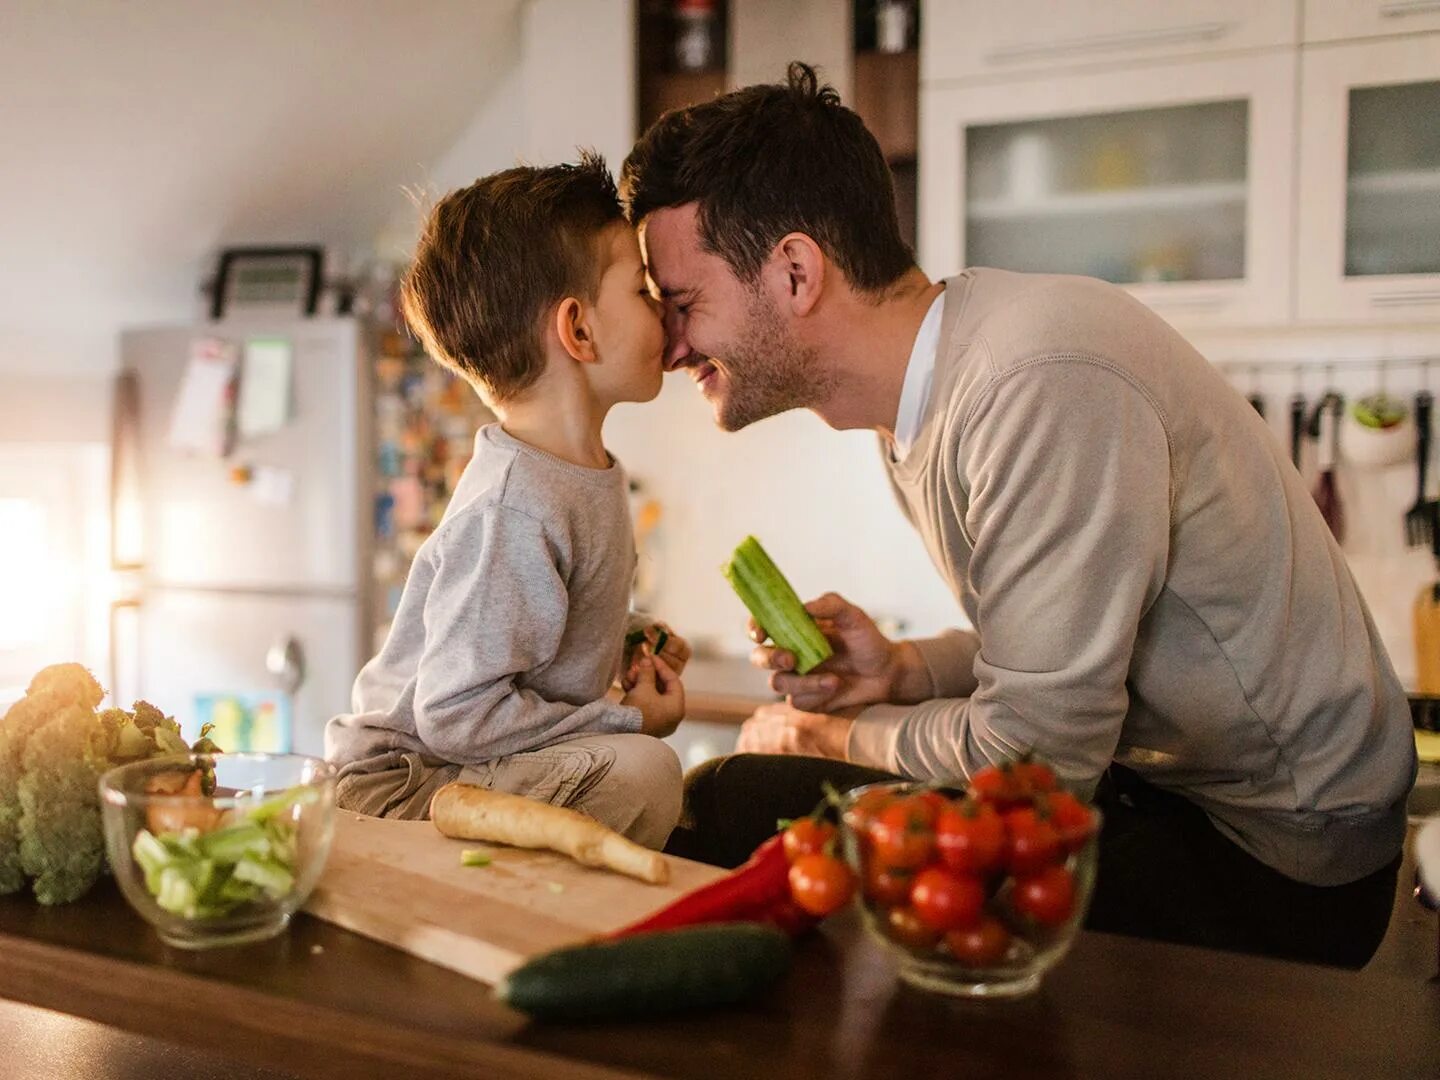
401, 882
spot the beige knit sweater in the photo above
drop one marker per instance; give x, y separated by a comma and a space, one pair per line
1150, 582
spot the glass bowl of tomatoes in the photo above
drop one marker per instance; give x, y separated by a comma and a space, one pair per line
978, 890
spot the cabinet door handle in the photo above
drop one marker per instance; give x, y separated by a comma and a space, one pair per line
1402, 297
1398, 9
1105, 43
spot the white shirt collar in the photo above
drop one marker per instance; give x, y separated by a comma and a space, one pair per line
919, 377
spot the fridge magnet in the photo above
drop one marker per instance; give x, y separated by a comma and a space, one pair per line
255, 722
265, 370
202, 418
269, 281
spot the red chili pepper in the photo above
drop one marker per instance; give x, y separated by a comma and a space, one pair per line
751, 893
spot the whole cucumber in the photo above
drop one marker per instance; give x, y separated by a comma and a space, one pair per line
652, 974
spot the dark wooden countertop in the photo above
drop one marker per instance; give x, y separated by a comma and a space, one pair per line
322, 1002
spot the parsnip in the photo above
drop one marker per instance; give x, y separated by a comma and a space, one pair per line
469, 812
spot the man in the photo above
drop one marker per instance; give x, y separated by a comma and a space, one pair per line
1159, 609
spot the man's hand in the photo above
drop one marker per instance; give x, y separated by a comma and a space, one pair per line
657, 693
783, 729
674, 650
867, 668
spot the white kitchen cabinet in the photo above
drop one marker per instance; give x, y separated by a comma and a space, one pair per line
1174, 179
1369, 198
969, 39
1335, 20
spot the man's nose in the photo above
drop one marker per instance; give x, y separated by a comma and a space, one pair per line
676, 347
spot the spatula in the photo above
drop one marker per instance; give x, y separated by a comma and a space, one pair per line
1420, 517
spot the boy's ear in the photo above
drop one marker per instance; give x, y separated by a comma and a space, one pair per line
572, 327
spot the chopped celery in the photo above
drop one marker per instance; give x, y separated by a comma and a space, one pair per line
230, 845
763, 589
474, 857
209, 875
149, 852
273, 878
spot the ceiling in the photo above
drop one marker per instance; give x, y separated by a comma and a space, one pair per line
139, 137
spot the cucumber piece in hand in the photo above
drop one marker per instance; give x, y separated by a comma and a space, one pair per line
763, 589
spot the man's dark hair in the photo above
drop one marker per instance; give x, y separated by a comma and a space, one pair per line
771, 159
495, 256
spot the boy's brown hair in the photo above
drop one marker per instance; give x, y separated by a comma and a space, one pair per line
767, 160
495, 256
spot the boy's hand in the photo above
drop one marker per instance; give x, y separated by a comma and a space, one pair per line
657, 693
662, 642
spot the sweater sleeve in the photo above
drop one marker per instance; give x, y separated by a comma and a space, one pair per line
495, 611
1068, 469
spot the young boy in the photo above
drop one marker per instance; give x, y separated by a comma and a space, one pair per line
513, 621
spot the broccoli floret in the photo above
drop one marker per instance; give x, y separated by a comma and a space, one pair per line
23, 718
49, 692
53, 748
61, 843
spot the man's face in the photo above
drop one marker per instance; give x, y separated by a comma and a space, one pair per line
731, 337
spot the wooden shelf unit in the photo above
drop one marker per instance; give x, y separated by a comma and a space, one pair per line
661, 86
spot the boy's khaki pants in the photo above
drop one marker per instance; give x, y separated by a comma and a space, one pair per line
631, 783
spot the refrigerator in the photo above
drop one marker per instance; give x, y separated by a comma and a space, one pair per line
249, 561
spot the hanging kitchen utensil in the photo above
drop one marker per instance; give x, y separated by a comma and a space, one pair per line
1426, 615
1420, 518
1324, 428
1297, 428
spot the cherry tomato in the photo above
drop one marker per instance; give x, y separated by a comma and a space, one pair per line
982, 945
902, 924
887, 886
1035, 778
998, 785
807, 836
1048, 896
821, 884
1073, 820
902, 835
1031, 842
971, 838
859, 814
937, 802
945, 900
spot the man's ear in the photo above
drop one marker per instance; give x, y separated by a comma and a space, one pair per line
572, 327
798, 268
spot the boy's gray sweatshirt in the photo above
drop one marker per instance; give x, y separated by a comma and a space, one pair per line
512, 621
1150, 581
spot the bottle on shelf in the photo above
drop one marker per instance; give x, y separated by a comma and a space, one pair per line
894, 20
695, 26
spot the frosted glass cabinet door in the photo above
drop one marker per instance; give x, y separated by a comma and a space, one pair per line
1369, 243
1173, 180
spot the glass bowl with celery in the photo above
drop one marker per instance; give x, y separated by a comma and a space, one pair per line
218, 849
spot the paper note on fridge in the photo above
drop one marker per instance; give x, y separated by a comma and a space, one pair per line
273, 486
264, 387
202, 417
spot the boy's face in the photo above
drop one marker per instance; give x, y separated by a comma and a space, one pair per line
629, 334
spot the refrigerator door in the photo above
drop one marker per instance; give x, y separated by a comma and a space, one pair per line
255, 663
297, 526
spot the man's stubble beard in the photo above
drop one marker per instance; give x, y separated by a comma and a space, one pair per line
767, 372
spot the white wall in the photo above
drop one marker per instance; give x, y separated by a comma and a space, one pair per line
564, 77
